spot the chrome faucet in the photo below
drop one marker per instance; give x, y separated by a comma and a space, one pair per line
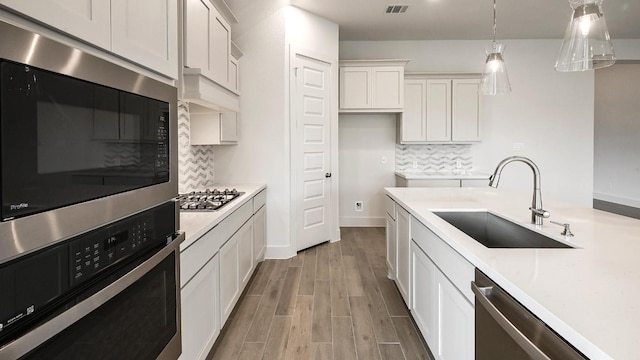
537, 212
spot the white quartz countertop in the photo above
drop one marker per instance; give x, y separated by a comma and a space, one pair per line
197, 223
589, 295
443, 175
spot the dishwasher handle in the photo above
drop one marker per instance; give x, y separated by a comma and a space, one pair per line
530, 348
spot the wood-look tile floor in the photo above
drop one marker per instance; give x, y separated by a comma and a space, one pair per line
333, 301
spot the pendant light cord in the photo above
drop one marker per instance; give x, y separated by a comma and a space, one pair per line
494, 21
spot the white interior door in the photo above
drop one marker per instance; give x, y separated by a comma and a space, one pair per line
312, 136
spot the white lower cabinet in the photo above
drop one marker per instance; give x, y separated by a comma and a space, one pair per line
455, 322
245, 253
214, 270
391, 247
423, 293
403, 239
229, 278
200, 312
435, 283
442, 301
259, 233
444, 316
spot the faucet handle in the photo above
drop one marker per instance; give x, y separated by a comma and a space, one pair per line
540, 212
567, 228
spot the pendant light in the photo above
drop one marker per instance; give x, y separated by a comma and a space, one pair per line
495, 80
586, 44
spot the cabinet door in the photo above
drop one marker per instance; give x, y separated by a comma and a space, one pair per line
88, 20
234, 75
198, 17
403, 238
456, 323
439, 110
220, 50
229, 278
391, 247
229, 127
387, 87
413, 125
466, 110
146, 32
245, 253
423, 294
200, 312
355, 88
259, 233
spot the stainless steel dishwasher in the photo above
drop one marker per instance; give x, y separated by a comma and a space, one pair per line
507, 330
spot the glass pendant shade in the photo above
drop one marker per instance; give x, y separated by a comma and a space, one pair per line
495, 80
586, 44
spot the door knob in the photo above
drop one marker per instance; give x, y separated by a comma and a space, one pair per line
327, 175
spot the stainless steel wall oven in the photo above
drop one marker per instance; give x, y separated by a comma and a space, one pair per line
89, 240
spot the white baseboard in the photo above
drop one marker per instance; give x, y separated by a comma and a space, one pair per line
352, 221
279, 252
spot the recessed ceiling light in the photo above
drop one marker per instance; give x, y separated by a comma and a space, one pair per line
396, 9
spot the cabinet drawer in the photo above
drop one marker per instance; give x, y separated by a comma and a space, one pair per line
259, 200
390, 205
195, 256
455, 267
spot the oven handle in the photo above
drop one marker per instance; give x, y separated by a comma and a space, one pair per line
46, 331
481, 295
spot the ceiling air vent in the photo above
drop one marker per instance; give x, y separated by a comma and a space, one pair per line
396, 9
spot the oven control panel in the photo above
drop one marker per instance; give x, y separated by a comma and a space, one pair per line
104, 247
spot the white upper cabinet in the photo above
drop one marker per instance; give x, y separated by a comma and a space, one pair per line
207, 43
211, 63
440, 110
146, 32
372, 85
413, 124
466, 110
213, 128
88, 20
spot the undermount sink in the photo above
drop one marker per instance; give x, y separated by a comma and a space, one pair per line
495, 232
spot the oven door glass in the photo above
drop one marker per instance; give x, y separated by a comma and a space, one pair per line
138, 323
64, 140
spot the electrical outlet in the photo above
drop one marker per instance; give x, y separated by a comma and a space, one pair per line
383, 160
415, 164
359, 206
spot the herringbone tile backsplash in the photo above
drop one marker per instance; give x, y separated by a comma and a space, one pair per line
195, 163
433, 157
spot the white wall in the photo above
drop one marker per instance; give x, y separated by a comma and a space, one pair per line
550, 113
364, 140
262, 154
617, 135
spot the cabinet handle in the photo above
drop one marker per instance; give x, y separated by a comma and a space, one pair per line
327, 175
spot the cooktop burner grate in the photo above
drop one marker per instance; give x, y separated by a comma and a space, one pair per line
208, 200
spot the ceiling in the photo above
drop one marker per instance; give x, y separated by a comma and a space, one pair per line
465, 19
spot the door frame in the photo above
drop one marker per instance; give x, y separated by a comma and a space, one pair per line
296, 147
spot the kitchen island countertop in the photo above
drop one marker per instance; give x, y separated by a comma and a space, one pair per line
589, 295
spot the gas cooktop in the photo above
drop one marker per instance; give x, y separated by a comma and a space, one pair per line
208, 200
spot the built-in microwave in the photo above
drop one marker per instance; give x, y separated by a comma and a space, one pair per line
83, 142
